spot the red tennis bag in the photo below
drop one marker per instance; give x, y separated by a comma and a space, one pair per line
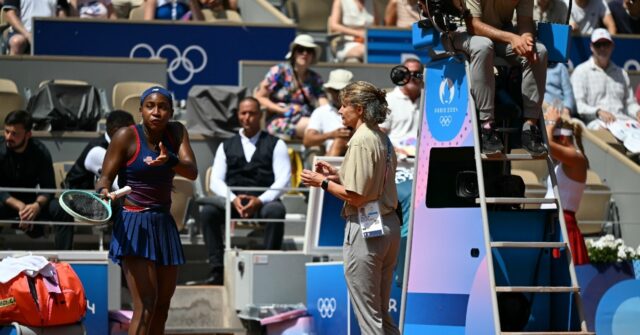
30, 302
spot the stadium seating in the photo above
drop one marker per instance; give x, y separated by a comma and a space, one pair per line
594, 207
137, 13
183, 192
63, 81
310, 15
11, 99
126, 96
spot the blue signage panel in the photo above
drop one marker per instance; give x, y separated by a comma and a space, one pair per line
197, 54
328, 300
94, 278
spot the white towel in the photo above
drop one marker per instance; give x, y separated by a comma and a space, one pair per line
11, 267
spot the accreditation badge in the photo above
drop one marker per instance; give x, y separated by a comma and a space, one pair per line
370, 220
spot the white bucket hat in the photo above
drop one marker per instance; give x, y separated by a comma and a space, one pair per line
305, 41
338, 79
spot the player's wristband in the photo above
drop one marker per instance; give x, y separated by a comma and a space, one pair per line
173, 160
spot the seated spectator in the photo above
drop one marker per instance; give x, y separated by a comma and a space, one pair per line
122, 8
554, 11
168, 9
490, 34
252, 158
24, 163
85, 171
19, 15
291, 90
401, 13
221, 9
402, 123
350, 18
558, 92
638, 93
586, 16
325, 125
626, 14
602, 89
92, 9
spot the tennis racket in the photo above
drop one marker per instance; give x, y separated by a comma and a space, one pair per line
89, 206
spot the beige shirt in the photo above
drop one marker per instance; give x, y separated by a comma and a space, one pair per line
363, 170
499, 13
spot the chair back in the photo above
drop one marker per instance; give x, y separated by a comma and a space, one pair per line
10, 99
125, 89
131, 105
183, 191
137, 13
310, 15
60, 170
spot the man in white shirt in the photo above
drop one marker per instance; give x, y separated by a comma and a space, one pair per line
82, 175
586, 16
402, 123
252, 158
325, 124
19, 15
602, 89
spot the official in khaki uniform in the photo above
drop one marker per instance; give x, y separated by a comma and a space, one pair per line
365, 179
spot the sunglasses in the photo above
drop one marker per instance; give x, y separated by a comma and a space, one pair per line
303, 50
602, 44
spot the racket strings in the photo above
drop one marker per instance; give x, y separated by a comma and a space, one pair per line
86, 206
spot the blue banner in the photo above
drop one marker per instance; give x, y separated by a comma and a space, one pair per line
328, 300
197, 54
94, 280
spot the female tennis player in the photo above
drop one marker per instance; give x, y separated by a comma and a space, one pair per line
145, 239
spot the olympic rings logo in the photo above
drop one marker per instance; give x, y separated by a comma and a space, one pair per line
445, 120
178, 60
326, 307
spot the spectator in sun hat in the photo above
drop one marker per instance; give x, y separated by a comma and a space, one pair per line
291, 90
325, 125
602, 89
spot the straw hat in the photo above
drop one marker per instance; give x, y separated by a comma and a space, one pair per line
305, 41
338, 79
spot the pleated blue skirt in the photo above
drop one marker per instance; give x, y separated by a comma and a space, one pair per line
150, 234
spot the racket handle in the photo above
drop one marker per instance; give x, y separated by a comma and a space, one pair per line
121, 192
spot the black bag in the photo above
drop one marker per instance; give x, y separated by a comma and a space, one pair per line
65, 107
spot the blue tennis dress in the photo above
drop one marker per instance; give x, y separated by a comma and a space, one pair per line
150, 233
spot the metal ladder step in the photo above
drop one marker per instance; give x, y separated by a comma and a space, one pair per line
528, 244
538, 289
518, 200
568, 332
512, 157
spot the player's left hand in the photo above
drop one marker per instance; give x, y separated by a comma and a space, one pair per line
162, 158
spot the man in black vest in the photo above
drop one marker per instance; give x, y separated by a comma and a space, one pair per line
83, 173
252, 158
